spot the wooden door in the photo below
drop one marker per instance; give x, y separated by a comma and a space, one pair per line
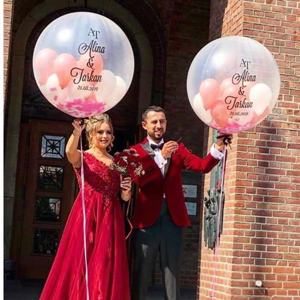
50, 190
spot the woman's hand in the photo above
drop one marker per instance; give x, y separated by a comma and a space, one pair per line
126, 184
72, 152
77, 127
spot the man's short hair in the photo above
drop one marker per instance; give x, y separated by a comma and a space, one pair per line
152, 108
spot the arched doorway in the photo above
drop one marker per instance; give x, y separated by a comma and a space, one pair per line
34, 124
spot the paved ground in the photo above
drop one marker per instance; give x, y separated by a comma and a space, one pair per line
31, 289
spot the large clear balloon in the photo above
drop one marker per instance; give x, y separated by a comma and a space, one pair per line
233, 83
83, 63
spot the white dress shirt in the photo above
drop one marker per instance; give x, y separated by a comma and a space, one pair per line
158, 158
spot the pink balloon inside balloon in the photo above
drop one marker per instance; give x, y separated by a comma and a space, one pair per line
63, 65
230, 91
44, 64
225, 84
220, 113
209, 91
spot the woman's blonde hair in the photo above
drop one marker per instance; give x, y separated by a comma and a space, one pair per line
92, 125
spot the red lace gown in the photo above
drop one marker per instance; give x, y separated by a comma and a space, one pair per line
106, 249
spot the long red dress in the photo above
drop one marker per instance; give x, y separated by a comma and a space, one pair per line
106, 249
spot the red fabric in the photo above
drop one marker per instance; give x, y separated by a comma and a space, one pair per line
106, 248
152, 186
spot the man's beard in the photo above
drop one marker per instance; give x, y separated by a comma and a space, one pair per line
154, 138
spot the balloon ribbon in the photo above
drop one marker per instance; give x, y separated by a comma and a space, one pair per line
220, 212
128, 220
84, 224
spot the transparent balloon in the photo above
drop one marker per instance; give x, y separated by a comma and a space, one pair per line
83, 64
233, 83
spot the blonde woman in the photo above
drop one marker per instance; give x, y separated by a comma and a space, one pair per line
108, 276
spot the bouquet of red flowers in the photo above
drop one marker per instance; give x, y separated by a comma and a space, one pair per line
128, 164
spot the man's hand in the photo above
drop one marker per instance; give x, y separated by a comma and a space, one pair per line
223, 139
169, 148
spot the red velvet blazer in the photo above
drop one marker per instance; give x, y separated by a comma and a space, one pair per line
153, 185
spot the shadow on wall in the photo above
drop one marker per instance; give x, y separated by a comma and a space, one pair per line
264, 227
217, 13
263, 222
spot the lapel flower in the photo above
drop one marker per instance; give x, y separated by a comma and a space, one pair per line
128, 163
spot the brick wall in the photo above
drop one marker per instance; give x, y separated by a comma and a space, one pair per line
261, 239
187, 33
7, 19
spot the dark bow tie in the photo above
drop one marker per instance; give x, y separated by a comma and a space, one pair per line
153, 146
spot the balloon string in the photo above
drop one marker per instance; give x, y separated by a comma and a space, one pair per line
128, 220
220, 212
84, 224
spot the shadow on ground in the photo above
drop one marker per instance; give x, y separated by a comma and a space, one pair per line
31, 289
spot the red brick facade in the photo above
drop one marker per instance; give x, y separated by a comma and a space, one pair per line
261, 238
7, 18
